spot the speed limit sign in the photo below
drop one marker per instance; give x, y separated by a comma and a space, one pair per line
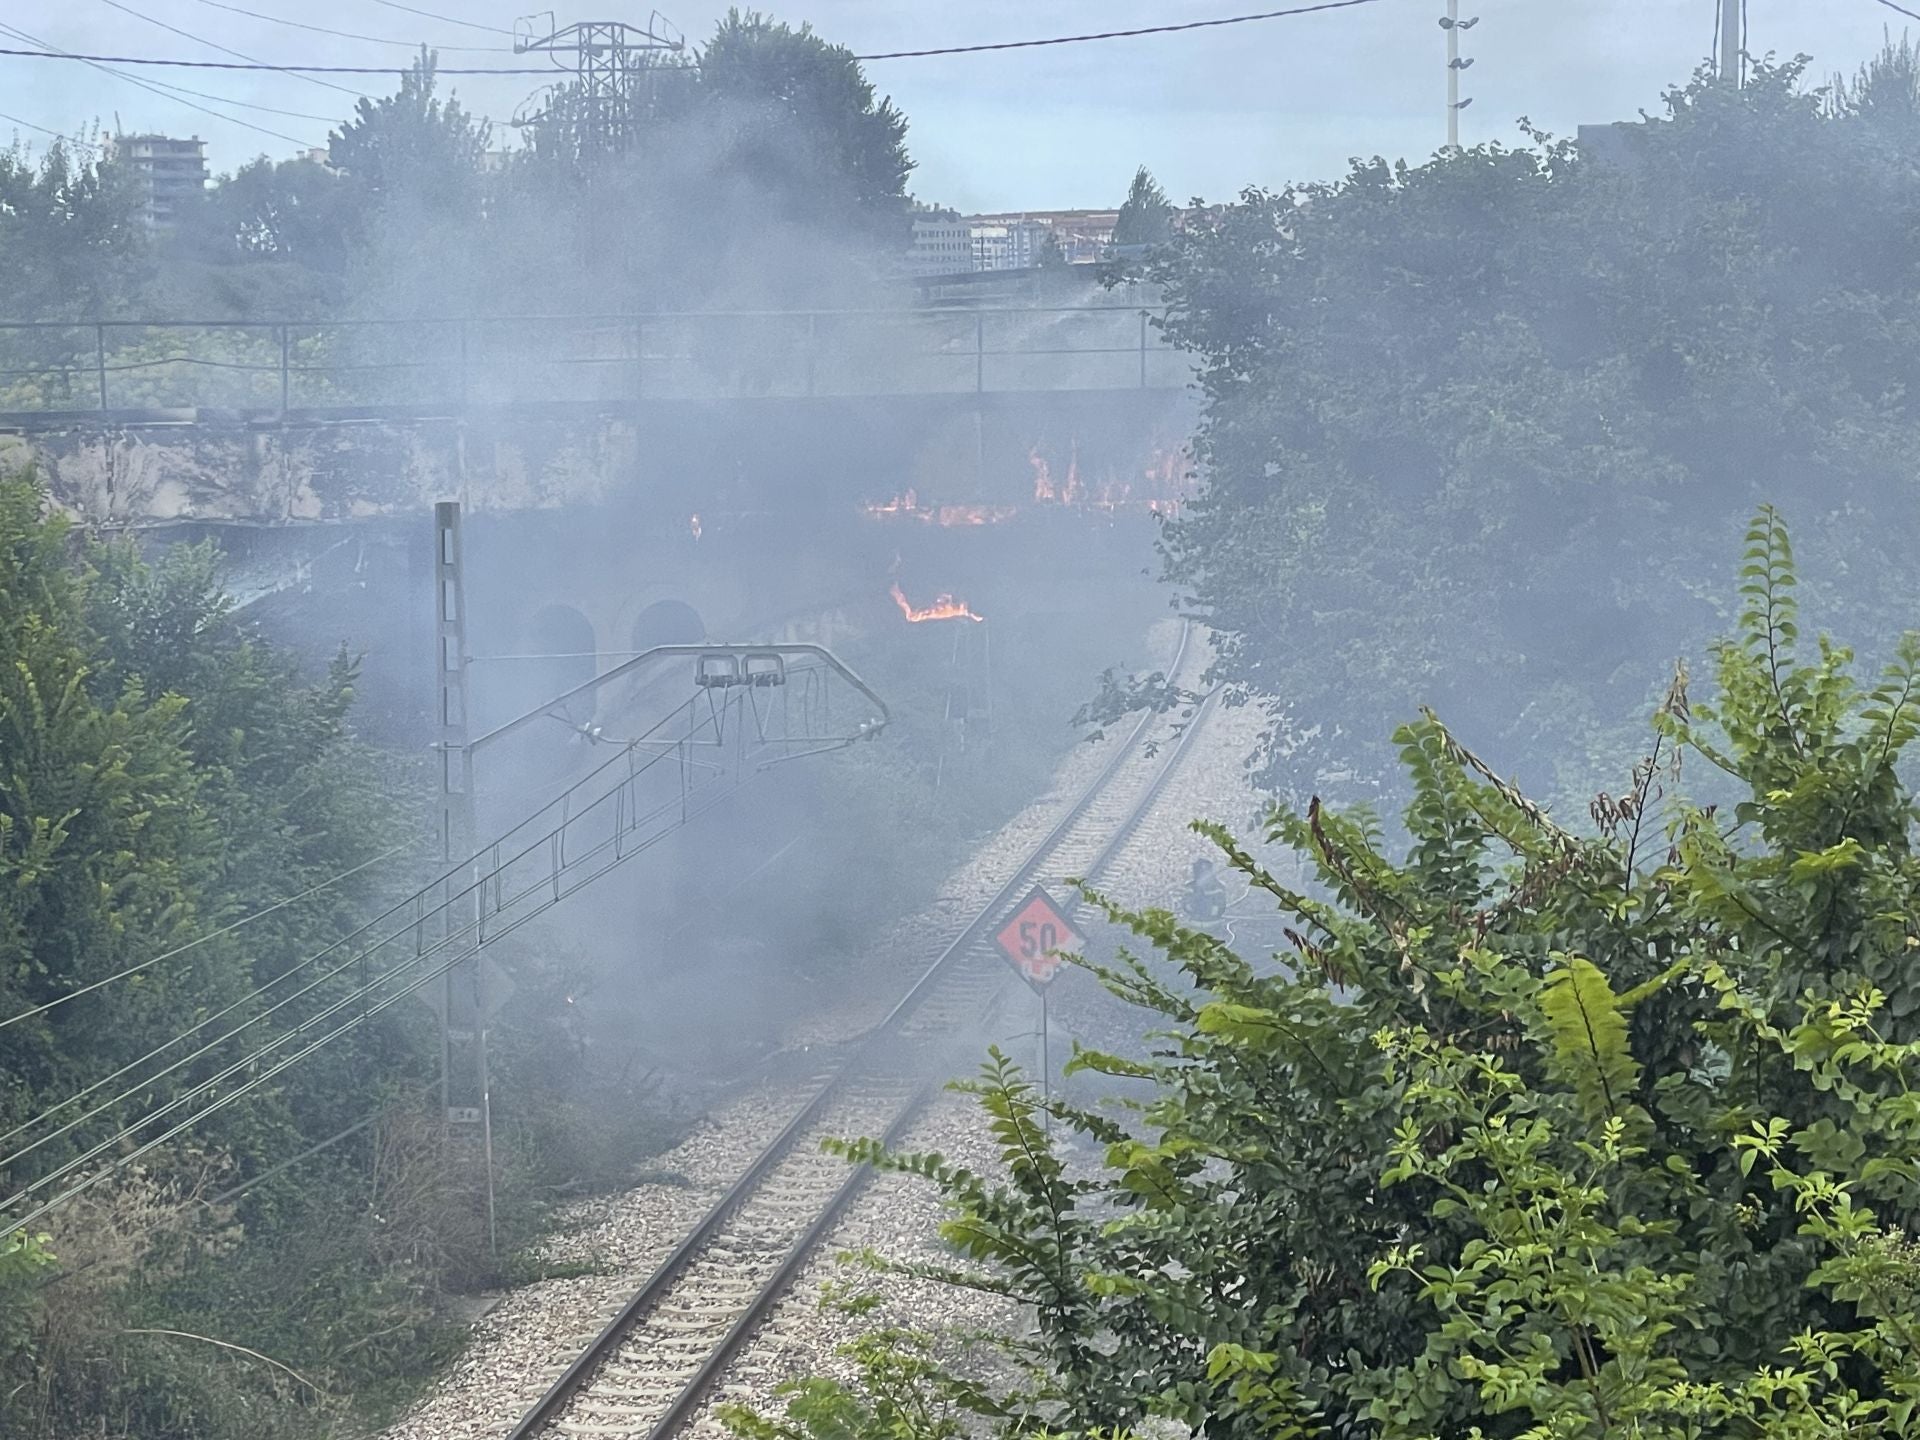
1035, 938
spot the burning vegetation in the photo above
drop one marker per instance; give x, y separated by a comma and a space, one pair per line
944, 607
907, 505
1160, 488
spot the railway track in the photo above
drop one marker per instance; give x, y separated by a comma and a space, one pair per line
648, 1370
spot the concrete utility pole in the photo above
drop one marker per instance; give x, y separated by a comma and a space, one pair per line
465, 1095
1733, 41
1453, 25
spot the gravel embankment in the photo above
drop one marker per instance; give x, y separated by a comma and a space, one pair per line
519, 1347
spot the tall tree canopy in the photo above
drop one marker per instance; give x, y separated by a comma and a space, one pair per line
1146, 218
413, 147
768, 172
1474, 428
71, 242
799, 123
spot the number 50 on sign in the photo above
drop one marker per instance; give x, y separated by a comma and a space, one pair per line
1035, 937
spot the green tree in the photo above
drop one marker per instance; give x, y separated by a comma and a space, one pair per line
274, 238
164, 776
1884, 90
1145, 216
413, 148
802, 128
103, 842
72, 246
414, 171
769, 173
1530, 1133
1474, 427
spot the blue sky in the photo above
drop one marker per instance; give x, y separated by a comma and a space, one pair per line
1208, 111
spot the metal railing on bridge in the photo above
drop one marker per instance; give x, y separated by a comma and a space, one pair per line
282, 369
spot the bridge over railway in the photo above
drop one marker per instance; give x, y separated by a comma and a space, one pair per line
143, 421
158, 373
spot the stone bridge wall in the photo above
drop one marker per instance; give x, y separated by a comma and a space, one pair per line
684, 455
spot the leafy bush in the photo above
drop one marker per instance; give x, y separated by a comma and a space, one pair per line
1532, 1134
163, 773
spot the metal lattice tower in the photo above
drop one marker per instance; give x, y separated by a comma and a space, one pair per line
614, 73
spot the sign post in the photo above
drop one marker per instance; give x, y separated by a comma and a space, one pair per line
1046, 1071
1033, 941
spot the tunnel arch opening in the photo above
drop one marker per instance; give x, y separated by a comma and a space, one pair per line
667, 622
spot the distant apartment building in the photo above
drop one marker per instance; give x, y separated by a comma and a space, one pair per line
942, 245
169, 173
1083, 235
1007, 244
962, 244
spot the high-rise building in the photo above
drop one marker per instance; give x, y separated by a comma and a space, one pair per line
169, 172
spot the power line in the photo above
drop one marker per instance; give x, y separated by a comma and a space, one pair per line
151, 88
1901, 10
449, 19
308, 70
245, 104
208, 1048
300, 70
56, 134
363, 996
180, 90
239, 924
351, 35
146, 1083
1121, 34
212, 44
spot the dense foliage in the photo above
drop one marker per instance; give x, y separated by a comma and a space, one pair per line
1532, 1134
164, 775
71, 245
1492, 415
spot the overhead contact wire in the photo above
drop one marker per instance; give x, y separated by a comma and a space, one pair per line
239, 924
147, 1081
367, 1013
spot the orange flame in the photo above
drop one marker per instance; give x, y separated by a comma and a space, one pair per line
944, 607
1043, 490
907, 503
1166, 480
973, 514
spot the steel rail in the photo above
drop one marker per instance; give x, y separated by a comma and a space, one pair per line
574, 1379
701, 1385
